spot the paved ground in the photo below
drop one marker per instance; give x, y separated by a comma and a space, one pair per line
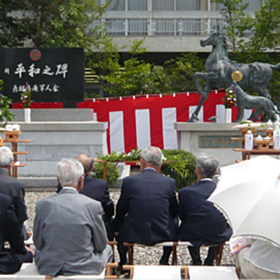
141, 255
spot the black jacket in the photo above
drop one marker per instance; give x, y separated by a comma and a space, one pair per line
11, 231
147, 209
13, 188
202, 222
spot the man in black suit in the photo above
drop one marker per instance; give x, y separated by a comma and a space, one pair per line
11, 231
147, 208
202, 222
12, 187
97, 189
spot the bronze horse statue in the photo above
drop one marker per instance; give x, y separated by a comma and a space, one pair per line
219, 70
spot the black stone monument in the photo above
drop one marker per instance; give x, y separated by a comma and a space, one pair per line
54, 74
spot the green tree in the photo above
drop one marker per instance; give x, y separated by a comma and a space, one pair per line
267, 27
252, 34
66, 23
74, 23
134, 77
14, 25
179, 72
139, 77
237, 22
58, 23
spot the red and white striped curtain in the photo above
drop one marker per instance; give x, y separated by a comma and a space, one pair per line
141, 121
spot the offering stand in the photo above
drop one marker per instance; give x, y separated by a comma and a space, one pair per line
262, 147
13, 138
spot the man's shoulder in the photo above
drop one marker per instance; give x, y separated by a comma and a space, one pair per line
60, 197
48, 199
15, 182
192, 188
150, 172
133, 177
156, 177
200, 187
95, 181
11, 186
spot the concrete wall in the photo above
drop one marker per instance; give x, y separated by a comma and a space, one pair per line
166, 43
53, 140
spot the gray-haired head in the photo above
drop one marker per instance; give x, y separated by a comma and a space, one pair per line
152, 155
69, 171
86, 161
6, 156
208, 165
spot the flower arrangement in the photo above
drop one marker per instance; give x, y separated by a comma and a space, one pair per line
26, 96
230, 97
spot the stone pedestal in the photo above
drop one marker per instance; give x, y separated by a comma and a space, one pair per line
210, 138
56, 139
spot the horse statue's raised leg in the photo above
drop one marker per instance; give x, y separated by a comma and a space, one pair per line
197, 76
204, 94
203, 98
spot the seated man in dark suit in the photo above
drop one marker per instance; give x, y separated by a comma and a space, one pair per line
12, 187
10, 230
97, 189
147, 208
202, 222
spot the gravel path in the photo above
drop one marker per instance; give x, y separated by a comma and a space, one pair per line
141, 255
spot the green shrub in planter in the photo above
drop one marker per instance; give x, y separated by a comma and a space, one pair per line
112, 173
5, 104
181, 167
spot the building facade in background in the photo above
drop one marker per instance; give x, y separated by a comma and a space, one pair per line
168, 25
170, 28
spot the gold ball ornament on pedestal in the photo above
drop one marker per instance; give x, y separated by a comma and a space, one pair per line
236, 76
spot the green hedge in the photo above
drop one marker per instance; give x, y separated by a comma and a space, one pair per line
179, 164
181, 168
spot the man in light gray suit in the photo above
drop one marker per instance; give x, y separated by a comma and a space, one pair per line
69, 233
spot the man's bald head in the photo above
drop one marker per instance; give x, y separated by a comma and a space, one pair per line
86, 161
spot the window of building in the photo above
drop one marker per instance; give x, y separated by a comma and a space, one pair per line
115, 27
137, 27
254, 5
190, 5
217, 22
116, 5
164, 27
189, 27
137, 5
163, 5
